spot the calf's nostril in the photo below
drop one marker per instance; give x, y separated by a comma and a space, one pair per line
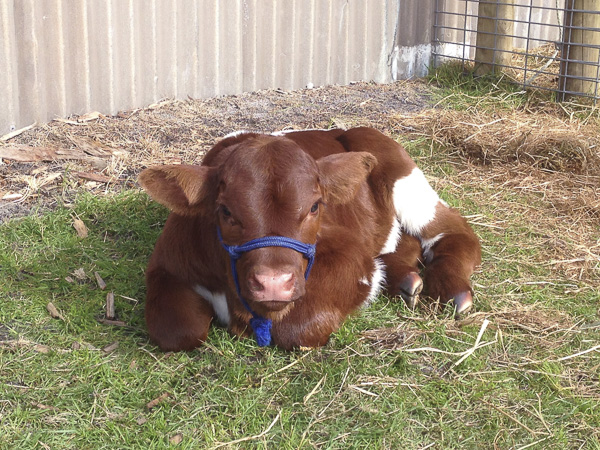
254, 284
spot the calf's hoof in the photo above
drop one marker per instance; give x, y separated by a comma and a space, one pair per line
462, 302
409, 289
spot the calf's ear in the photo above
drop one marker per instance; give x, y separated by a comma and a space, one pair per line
185, 190
341, 174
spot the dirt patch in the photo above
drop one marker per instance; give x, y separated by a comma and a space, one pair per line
104, 154
541, 150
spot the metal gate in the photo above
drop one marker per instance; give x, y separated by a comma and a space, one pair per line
545, 44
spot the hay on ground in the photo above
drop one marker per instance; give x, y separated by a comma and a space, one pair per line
540, 140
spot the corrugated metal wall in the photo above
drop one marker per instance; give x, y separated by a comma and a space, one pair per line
62, 57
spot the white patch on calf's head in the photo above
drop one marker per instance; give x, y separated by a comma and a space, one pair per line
236, 133
218, 301
415, 201
284, 132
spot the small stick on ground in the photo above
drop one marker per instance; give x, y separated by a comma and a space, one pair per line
116, 323
293, 363
251, 438
110, 306
475, 346
336, 394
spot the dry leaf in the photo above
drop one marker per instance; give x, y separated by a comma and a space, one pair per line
151, 404
94, 177
10, 197
80, 274
69, 280
100, 281
175, 440
141, 421
109, 348
39, 170
89, 116
91, 147
42, 406
25, 153
80, 227
70, 122
48, 179
12, 134
54, 313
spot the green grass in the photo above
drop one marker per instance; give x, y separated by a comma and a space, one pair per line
390, 378
360, 391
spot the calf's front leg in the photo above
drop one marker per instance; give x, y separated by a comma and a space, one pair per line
177, 317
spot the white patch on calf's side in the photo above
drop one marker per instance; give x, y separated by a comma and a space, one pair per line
393, 238
415, 201
427, 244
218, 302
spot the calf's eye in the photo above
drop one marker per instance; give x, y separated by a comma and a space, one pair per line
314, 208
225, 211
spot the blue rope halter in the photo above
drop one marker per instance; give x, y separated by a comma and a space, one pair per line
260, 325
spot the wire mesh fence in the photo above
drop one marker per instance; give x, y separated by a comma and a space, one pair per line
546, 44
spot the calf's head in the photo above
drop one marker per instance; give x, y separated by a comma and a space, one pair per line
262, 186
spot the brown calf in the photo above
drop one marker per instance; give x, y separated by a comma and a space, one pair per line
356, 194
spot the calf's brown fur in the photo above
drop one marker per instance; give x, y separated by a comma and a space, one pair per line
356, 194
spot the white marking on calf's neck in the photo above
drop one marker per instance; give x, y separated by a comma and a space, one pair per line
377, 281
393, 238
415, 201
218, 302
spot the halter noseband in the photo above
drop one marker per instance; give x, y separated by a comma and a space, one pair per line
260, 325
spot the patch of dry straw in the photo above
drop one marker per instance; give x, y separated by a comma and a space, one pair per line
541, 140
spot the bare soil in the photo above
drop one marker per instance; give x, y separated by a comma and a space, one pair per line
104, 154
